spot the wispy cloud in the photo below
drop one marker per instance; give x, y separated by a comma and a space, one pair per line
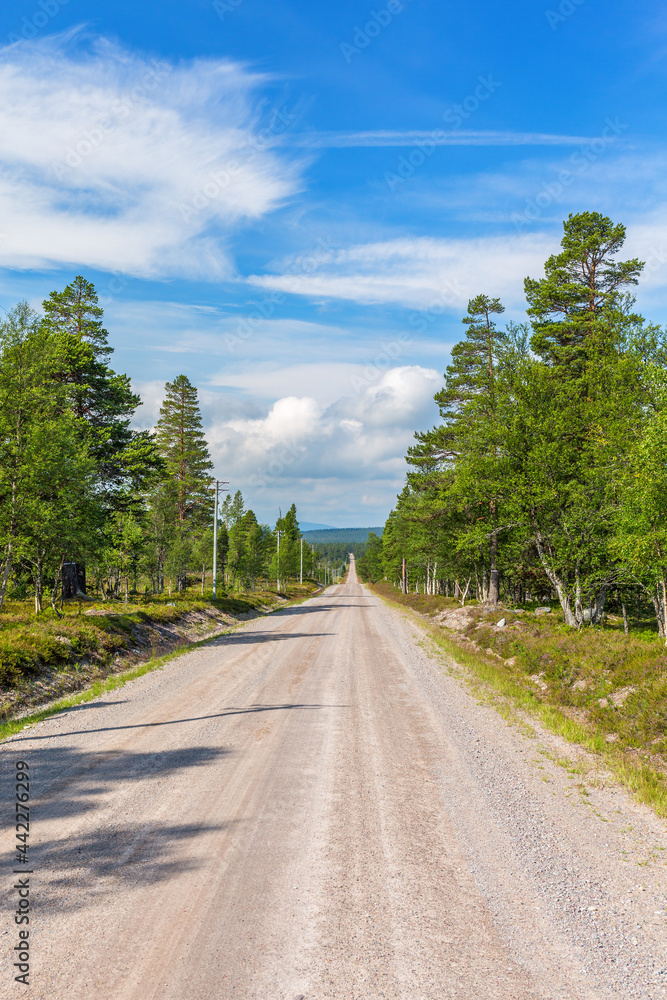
419, 272
438, 137
443, 272
114, 161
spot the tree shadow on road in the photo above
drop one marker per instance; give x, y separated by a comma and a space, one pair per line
69, 784
167, 722
304, 609
250, 638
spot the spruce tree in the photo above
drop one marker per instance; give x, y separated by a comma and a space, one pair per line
468, 436
234, 514
182, 445
259, 543
290, 535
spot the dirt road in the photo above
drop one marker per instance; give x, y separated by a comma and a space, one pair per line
315, 807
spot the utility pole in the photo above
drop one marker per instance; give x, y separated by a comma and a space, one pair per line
218, 484
301, 569
215, 541
278, 563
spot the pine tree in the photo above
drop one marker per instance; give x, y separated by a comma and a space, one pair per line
76, 311
181, 442
468, 437
102, 399
46, 475
581, 284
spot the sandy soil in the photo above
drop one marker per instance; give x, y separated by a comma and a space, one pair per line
316, 807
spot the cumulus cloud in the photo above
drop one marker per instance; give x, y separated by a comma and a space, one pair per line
344, 459
340, 453
120, 162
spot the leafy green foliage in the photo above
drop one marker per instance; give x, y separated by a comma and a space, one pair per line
371, 565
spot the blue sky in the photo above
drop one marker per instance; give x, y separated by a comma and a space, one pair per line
292, 203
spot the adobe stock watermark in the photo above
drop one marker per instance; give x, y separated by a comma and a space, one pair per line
377, 21
656, 259
286, 457
218, 181
453, 116
385, 358
451, 296
579, 162
266, 307
92, 138
31, 26
566, 9
116, 284
389, 353
223, 7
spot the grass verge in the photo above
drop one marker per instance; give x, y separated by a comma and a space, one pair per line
13, 726
507, 686
124, 623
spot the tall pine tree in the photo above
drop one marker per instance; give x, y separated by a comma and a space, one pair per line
101, 398
181, 442
77, 311
467, 441
570, 306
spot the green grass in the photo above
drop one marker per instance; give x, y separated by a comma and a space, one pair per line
629, 738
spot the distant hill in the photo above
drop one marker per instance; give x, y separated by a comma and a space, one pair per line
323, 536
314, 526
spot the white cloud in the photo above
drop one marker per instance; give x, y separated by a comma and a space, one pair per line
434, 137
152, 396
118, 162
242, 331
300, 448
215, 407
324, 381
422, 272
525, 201
440, 275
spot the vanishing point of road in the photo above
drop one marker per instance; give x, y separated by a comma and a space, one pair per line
319, 805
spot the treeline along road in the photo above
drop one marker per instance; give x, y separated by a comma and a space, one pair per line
315, 806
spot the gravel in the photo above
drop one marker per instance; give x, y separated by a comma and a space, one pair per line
319, 807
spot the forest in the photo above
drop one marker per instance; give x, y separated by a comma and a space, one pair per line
90, 505
545, 477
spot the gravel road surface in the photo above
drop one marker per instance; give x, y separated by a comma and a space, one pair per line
315, 806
